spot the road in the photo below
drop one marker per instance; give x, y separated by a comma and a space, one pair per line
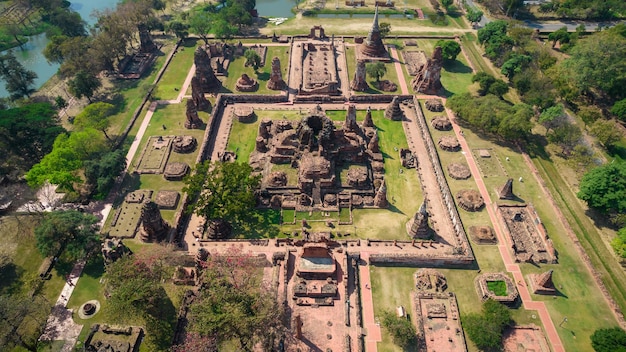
551, 26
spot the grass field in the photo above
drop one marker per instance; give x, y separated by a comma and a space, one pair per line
390, 75
262, 75
177, 71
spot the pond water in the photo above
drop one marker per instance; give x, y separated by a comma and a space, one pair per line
276, 8
31, 54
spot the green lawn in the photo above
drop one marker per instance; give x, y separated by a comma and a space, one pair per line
177, 71
390, 75
262, 75
497, 287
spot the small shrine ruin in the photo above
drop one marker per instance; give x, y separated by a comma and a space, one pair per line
428, 78
541, 284
497, 286
153, 228
276, 81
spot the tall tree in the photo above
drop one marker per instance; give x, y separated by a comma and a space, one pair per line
385, 29
70, 234
224, 191
200, 24
401, 329
234, 304
252, 59
376, 70
609, 340
450, 49
23, 321
486, 329
474, 15
18, 80
604, 188
84, 84
607, 132
96, 116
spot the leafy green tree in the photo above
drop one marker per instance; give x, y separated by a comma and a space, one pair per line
592, 74
609, 340
562, 36
607, 132
84, 84
566, 135
376, 70
484, 80
68, 234
553, 117
486, 329
180, 29
100, 172
234, 306
23, 321
200, 24
499, 88
18, 80
450, 49
604, 187
495, 40
385, 29
402, 331
511, 6
68, 154
252, 59
474, 15
619, 110
589, 114
224, 191
223, 30
27, 134
446, 3
619, 246
96, 116
515, 64
517, 126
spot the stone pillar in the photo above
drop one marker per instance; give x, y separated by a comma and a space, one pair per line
204, 71
193, 121
359, 82
380, 200
368, 122
428, 81
153, 227
276, 81
197, 95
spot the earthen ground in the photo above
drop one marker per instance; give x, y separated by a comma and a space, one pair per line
524, 339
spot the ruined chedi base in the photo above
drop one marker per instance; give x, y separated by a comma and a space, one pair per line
428, 80
541, 284
208, 82
153, 227
276, 81
192, 121
359, 83
418, 227
197, 95
393, 111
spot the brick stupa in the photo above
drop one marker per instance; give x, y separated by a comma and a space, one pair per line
541, 284
373, 46
418, 227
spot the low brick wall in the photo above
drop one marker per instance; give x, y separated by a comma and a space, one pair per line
422, 261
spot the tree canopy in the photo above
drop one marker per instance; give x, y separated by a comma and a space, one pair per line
604, 187
95, 116
68, 234
224, 191
27, 134
486, 329
252, 59
376, 70
401, 329
18, 80
450, 49
234, 304
609, 340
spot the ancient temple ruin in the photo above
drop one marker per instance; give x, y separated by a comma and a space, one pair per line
541, 284
316, 147
197, 95
418, 226
393, 110
319, 69
153, 227
428, 79
246, 83
316, 276
193, 120
506, 192
146, 44
372, 47
204, 72
114, 249
359, 83
276, 81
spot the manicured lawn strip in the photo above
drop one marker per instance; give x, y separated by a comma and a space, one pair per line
475, 54
132, 93
174, 77
577, 284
